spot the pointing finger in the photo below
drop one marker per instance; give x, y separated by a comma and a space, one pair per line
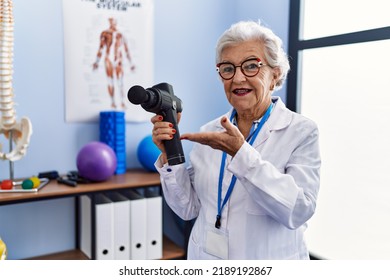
230, 128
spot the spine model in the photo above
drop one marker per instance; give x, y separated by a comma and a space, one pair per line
17, 132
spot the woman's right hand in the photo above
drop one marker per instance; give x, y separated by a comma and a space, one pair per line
162, 131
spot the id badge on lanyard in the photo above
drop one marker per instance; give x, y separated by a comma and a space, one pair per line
217, 242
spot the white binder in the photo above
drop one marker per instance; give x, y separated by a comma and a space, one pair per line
154, 235
85, 226
121, 225
138, 224
103, 227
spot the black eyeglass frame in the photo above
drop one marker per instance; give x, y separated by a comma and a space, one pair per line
259, 64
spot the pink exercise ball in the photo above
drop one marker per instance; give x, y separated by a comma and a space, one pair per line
96, 161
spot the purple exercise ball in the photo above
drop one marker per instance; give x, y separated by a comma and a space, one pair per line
96, 161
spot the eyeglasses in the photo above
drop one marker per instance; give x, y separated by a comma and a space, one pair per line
249, 68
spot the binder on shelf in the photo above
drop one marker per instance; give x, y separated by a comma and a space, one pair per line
138, 218
121, 225
96, 226
154, 235
85, 226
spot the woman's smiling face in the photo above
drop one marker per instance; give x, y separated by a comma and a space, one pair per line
248, 95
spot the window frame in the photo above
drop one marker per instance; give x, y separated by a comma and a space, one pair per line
296, 45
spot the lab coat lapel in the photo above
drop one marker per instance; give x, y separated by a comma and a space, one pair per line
280, 118
262, 136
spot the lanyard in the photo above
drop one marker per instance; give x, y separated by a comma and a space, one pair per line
234, 178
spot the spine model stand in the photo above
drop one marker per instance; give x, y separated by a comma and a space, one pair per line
18, 133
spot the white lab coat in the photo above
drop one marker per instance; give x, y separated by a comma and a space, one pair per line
275, 194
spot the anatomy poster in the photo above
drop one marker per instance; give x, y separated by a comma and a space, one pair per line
108, 48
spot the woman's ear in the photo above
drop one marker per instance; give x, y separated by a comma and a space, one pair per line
276, 74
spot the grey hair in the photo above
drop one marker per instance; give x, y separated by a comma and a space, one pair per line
250, 30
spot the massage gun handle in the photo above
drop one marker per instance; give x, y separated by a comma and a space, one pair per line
173, 147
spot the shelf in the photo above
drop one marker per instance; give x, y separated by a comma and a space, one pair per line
133, 178
67, 255
170, 251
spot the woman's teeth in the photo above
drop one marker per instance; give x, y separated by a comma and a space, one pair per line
241, 91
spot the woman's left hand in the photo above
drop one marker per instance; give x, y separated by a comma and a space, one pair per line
229, 141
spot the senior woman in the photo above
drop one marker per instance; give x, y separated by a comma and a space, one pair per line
253, 177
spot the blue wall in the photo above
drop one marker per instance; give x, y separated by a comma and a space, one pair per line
185, 34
